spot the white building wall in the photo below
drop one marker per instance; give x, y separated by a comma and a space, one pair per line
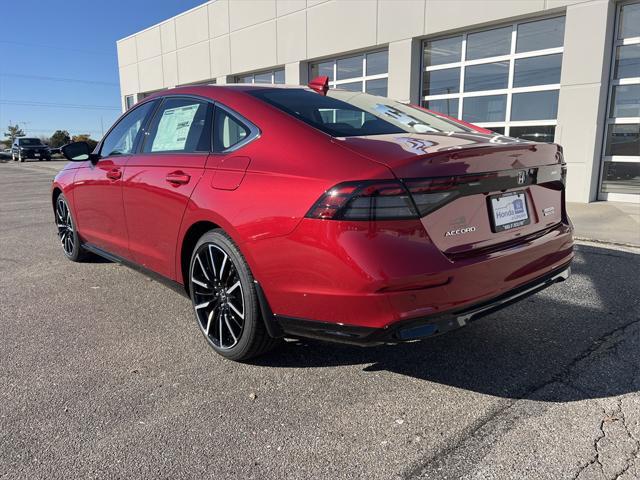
224, 38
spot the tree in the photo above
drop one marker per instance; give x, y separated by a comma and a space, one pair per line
60, 138
13, 132
85, 137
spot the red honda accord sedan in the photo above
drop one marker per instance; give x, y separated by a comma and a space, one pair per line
302, 212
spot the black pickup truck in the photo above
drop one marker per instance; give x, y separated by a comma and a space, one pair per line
24, 148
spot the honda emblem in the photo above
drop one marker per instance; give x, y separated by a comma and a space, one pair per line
522, 177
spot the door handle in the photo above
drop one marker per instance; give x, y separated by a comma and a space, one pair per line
178, 178
114, 174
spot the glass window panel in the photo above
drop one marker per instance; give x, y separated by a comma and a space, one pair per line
322, 69
377, 87
627, 61
535, 105
377, 63
488, 76
489, 43
621, 177
128, 100
379, 117
623, 140
540, 35
490, 108
630, 21
448, 106
227, 130
438, 82
543, 70
499, 130
447, 50
121, 139
539, 133
350, 117
625, 101
180, 125
278, 76
246, 79
351, 86
349, 68
263, 77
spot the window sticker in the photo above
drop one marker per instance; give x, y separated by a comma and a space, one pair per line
173, 128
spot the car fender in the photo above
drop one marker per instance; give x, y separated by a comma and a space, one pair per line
64, 181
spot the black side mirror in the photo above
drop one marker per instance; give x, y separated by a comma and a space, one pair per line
78, 152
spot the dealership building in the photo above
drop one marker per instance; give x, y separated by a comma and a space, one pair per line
548, 70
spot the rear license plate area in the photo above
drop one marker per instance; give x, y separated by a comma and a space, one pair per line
508, 211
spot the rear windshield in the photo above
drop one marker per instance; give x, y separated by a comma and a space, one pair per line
29, 141
346, 114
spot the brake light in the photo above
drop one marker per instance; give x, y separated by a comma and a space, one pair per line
399, 199
364, 201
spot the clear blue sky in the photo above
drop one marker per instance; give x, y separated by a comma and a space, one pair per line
64, 52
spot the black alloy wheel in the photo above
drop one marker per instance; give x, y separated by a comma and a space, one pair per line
224, 299
67, 233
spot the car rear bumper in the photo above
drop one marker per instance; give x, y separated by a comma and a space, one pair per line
359, 276
414, 329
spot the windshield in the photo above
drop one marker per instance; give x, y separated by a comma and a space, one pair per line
346, 114
29, 141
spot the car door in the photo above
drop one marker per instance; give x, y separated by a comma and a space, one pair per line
160, 179
97, 189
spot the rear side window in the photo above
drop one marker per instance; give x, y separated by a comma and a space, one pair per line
180, 125
228, 131
121, 139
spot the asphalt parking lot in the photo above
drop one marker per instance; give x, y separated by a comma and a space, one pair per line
104, 374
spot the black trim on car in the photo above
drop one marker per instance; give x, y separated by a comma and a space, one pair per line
172, 284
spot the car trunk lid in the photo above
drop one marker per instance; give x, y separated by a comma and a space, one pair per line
476, 193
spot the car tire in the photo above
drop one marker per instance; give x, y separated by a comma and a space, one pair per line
20, 157
67, 232
224, 298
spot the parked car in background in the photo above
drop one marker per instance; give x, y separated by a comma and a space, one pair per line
308, 212
24, 148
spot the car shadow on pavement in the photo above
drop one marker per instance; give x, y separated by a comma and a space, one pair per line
584, 333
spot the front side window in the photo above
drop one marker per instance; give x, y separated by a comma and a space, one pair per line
121, 139
344, 114
180, 125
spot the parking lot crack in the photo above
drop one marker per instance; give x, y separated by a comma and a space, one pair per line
595, 461
605, 343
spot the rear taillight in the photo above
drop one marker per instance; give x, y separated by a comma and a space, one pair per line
364, 201
409, 198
